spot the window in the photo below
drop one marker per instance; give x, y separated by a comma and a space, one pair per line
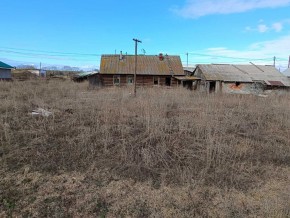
116, 80
130, 80
156, 80
212, 86
168, 81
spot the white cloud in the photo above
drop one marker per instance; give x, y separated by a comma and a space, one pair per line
262, 28
277, 26
199, 8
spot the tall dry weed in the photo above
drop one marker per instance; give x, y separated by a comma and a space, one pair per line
163, 136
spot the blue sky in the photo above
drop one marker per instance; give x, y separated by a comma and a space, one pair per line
76, 33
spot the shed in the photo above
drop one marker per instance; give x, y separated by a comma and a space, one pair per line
5, 71
240, 78
152, 70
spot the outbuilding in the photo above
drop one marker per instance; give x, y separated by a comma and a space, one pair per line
230, 78
5, 71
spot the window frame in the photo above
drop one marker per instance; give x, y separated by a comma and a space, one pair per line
118, 77
128, 78
158, 80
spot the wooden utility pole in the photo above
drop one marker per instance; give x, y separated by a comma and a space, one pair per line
187, 59
274, 61
289, 62
135, 72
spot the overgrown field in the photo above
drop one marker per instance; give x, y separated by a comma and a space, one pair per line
164, 153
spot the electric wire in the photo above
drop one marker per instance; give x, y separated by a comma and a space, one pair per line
201, 58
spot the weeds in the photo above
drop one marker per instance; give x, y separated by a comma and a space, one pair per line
162, 139
9, 206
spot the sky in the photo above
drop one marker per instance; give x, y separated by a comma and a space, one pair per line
77, 32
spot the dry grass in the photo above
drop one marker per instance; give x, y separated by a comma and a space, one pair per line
165, 153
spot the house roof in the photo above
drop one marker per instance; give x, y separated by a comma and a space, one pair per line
147, 65
5, 66
244, 73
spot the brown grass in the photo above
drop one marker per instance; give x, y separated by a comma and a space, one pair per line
165, 153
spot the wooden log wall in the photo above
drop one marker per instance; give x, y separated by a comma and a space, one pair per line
142, 80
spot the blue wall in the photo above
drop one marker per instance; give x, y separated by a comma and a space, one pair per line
5, 74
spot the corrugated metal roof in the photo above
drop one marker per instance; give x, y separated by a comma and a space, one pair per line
147, 65
276, 83
243, 73
5, 66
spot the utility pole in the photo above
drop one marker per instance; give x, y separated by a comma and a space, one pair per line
135, 72
289, 62
274, 61
187, 59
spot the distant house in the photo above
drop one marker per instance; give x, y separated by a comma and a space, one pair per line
229, 78
5, 71
152, 70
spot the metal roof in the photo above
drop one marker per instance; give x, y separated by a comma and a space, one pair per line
86, 74
276, 83
5, 66
243, 73
147, 65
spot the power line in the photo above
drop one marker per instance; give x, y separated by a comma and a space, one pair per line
69, 54
91, 57
47, 56
52, 52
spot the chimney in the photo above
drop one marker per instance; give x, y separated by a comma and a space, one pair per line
161, 57
121, 56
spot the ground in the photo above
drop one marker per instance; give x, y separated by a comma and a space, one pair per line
164, 153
